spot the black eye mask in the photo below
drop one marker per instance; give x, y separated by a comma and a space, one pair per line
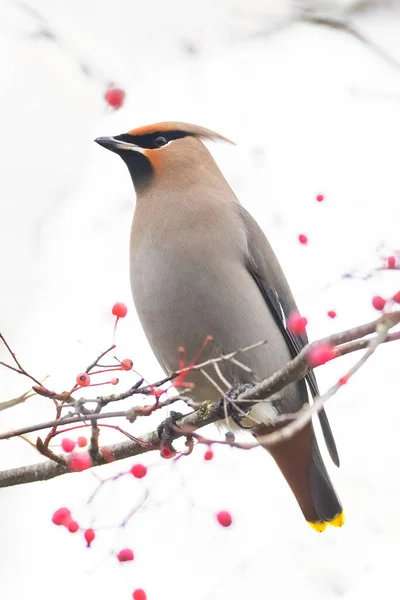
151, 140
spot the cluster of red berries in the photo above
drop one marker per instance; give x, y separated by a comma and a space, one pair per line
77, 461
120, 311
69, 445
379, 303
63, 516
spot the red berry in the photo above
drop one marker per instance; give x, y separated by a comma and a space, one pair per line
320, 354
396, 297
119, 310
126, 364
115, 97
391, 262
61, 515
138, 471
82, 441
332, 314
89, 536
125, 555
303, 239
208, 455
68, 445
83, 379
320, 197
114, 380
224, 518
344, 379
166, 452
72, 526
139, 594
79, 462
378, 302
297, 323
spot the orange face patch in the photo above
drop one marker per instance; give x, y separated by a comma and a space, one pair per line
156, 158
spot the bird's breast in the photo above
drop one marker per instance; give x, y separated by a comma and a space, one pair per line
189, 281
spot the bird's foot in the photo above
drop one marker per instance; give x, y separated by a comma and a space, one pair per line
228, 403
167, 428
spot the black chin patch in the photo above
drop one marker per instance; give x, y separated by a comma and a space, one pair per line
140, 168
148, 139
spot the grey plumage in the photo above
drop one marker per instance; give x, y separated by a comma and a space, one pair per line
201, 265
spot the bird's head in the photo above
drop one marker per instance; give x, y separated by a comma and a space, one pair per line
170, 151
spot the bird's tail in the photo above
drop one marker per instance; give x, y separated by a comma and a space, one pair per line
300, 462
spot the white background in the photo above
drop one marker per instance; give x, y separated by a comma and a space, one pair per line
312, 110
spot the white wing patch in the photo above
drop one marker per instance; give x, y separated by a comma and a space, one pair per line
283, 316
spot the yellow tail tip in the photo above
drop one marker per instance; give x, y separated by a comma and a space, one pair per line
317, 525
337, 521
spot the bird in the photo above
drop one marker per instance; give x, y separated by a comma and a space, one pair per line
205, 281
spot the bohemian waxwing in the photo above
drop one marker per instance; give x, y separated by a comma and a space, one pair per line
201, 266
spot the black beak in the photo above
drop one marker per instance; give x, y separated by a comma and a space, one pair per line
108, 142
116, 145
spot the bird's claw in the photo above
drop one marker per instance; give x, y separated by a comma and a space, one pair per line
228, 402
167, 428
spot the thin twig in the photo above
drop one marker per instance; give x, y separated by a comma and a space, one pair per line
345, 26
304, 416
344, 349
209, 412
21, 370
96, 362
292, 371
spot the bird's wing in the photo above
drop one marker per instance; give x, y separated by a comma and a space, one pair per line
266, 271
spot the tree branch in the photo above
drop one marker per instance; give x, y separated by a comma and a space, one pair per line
209, 412
297, 368
151, 441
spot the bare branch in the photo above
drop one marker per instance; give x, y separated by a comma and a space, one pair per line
304, 416
345, 26
49, 469
96, 362
209, 412
20, 369
297, 368
62, 421
344, 349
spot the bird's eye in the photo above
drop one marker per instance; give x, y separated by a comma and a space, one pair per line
160, 140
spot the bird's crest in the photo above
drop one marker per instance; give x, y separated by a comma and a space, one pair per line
183, 128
